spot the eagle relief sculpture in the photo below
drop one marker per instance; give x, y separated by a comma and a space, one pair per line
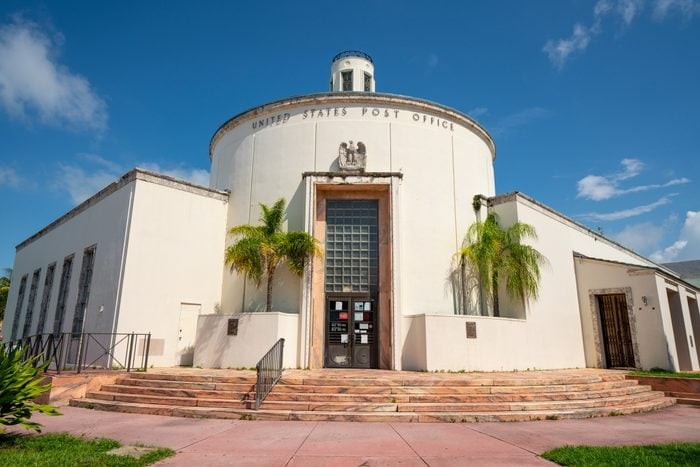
351, 157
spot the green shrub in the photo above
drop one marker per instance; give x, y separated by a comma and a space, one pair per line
20, 384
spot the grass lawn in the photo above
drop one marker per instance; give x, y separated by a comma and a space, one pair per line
63, 449
664, 373
654, 455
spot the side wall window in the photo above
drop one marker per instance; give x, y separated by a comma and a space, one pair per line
30, 303
368, 82
18, 308
62, 295
347, 80
45, 298
83, 290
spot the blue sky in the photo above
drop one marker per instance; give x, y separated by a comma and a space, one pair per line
594, 105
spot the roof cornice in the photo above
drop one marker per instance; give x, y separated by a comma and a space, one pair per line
335, 98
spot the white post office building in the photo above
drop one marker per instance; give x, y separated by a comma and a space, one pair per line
387, 184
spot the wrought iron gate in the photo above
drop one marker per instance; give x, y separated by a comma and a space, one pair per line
617, 337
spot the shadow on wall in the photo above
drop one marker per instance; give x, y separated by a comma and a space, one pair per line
465, 292
186, 356
296, 208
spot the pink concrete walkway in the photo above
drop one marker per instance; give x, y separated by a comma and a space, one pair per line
260, 443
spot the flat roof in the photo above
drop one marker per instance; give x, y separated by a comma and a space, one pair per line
131, 176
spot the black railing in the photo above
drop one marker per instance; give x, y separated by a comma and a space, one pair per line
269, 370
89, 350
353, 53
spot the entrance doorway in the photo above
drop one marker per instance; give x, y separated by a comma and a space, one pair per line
351, 332
351, 283
617, 337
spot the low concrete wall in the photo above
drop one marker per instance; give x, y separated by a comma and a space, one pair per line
68, 386
257, 333
439, 342
670, 385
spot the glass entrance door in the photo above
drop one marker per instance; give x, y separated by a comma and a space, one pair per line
350, 332
351, 283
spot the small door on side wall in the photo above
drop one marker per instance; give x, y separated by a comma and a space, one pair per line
615, 327
187, 331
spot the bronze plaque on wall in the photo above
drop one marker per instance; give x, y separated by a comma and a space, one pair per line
232, 327
471, 330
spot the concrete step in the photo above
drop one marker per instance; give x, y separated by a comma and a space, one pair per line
167, 401
449, 379
278, 394
397, 396
195, 378
176, 392
336, 406
171, 383
247, 414
354, 387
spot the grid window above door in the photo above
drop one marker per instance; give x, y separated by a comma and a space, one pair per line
351, 246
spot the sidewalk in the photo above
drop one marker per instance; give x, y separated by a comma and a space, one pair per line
261, 443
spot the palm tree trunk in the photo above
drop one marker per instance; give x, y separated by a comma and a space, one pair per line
463, 284
270, 276
496, 311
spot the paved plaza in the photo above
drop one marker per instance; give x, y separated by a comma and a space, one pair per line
268, 443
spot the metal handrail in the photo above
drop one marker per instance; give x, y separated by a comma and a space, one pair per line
353, 53
269, 371
69, 351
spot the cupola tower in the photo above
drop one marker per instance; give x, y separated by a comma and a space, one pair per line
352, 71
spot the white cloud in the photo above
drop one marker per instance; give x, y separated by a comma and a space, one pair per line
684, 8
687, 247
641, 237
629, 9
478, 112
196, 176
81, 184
433, 60
558, 51
33, 84
626, 213
602, 187
94, 172
520, 118
9, 177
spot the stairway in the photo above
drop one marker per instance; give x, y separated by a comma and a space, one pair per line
377, 395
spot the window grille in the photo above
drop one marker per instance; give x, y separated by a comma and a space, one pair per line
368, 82
83, 290
45, 298
30, 303
62, 295
347, 80
18, 307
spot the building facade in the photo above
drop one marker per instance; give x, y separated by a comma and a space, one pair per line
387, 184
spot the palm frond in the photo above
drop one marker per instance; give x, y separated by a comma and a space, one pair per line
299, 248
492, 251
272, 216
244, 257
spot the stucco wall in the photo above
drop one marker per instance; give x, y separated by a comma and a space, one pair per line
565, 286
257, 333
439, 342
444, 162
174, 256
597, 278
101, 223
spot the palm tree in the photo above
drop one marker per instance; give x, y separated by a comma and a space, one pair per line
260, 249
496, 254
4, 291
